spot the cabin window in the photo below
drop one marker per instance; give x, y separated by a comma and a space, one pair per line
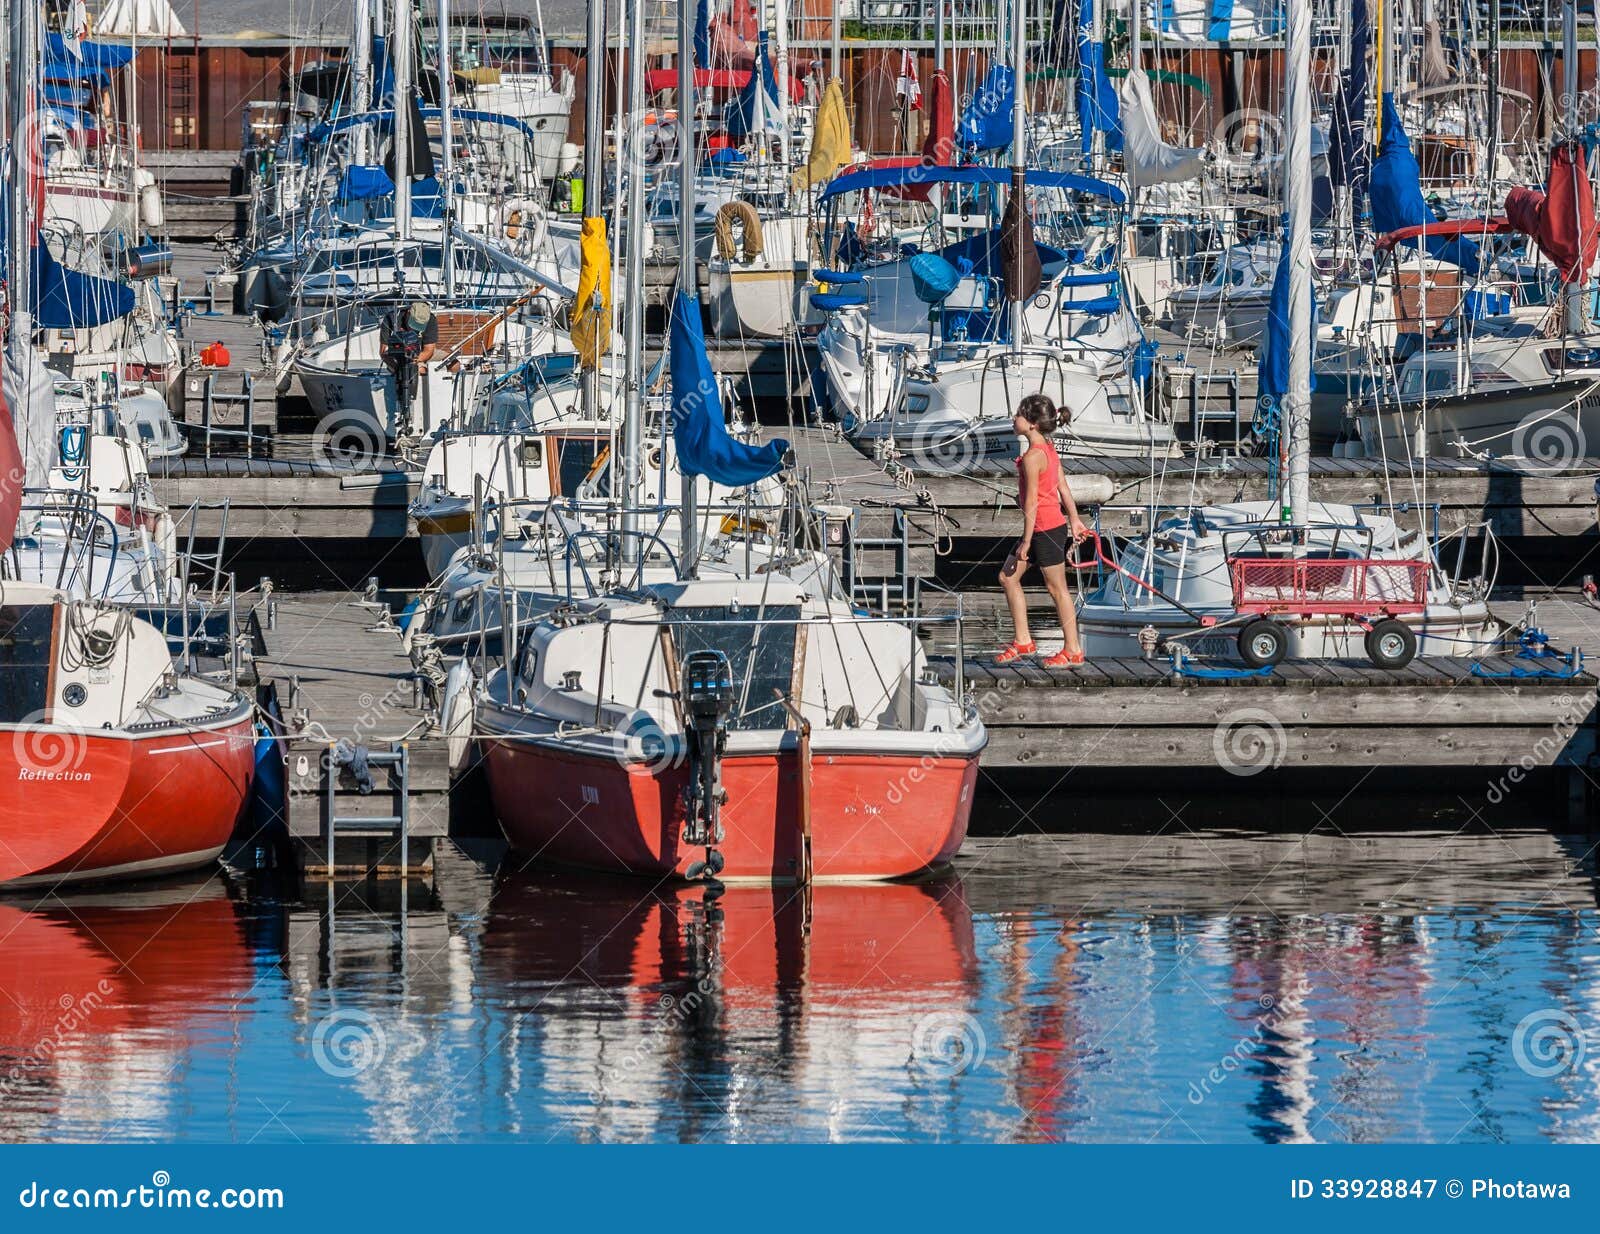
575, 458
25, 643
759, 650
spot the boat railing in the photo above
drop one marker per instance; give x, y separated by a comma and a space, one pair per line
72, 520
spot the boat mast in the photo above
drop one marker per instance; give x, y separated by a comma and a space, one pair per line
632, 448
780, 31
1574, 293
19, 266
688, 548
1295, 439
360, 78
447, 162
400, 58
594, 150
1494, 95
1019, 164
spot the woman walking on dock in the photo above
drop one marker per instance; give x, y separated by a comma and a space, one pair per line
1049, 521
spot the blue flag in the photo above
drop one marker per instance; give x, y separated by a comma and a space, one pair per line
705, 447
1395, 190
987, 122
1273, 362
1097, 99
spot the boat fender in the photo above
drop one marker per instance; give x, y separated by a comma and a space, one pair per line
455, 716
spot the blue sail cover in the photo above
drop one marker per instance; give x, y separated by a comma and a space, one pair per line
67, 299
1395, 189
1097, 99
95, 64
705, 447
1272, 369
987, 122
364, 183
747, 112
1347, 153
702, 34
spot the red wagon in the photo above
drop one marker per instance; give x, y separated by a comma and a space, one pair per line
1370, 592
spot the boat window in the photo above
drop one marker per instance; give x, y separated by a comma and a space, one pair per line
25, 637
575, 458
760, 652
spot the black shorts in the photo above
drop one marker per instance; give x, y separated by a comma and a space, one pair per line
1050, 547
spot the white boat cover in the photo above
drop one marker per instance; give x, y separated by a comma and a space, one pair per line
1150, 160
139, 18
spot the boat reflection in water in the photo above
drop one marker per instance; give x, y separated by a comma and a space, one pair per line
661, 1013
109, 999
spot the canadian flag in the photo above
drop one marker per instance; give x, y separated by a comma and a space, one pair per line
906, 85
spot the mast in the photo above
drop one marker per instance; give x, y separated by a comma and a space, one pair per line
633, 401
1494, 94
1572, 317
447, 163
780, 35
1295, 439
24, 40
361, 78
688, 547
836, 36
1019, 156
400, 58
594, 151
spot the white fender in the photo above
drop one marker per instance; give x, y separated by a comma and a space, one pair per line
455, 716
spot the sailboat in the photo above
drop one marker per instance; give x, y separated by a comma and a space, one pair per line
729, 727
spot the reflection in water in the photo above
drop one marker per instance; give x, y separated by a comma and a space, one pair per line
1218, 987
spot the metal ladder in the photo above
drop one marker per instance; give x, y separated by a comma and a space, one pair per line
397, 761
1199, 416
211, 399
902, 585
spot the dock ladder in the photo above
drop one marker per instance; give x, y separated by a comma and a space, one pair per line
397, 762
901, 585
213, 400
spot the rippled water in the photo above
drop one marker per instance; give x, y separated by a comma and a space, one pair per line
1198, 988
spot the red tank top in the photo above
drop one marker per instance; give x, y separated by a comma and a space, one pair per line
1047, 512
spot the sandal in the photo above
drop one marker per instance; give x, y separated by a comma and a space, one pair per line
1063, 659
1015, 652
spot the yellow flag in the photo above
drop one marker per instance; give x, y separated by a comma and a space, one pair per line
591, 328
830, 140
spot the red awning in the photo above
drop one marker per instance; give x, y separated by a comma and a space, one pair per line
1449, 229
657, 80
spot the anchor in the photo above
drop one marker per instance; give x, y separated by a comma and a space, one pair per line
707, 704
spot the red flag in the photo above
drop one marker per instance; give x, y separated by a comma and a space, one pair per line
1562, 221
939, 147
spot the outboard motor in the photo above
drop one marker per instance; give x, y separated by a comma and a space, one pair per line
707, 704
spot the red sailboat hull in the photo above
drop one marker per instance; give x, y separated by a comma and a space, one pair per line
873, 816
78, 806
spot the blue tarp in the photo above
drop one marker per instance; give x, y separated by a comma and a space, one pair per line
1097, 99
702, 34
739, 116
65, 93
1347, 153
705, 447
66, 299
96, 62
1395, 190
1272, 372
987, 122
919, 173
362, 183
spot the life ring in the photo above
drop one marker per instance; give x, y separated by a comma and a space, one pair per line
513, 227
753, 241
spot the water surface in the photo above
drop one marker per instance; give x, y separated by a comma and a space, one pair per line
1205, 987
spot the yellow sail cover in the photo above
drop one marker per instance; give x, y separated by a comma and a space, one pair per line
830, 140
591, 328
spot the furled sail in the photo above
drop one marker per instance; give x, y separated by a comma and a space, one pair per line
705, 447
830, 140
591, 324
1395, 191
1561, 220
1097, 99
1348, 160
1148, 159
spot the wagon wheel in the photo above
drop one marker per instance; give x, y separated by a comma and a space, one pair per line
1263, 642
1391, 644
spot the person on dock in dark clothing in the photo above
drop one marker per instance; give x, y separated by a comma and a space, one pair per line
1050, 523
408, 338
